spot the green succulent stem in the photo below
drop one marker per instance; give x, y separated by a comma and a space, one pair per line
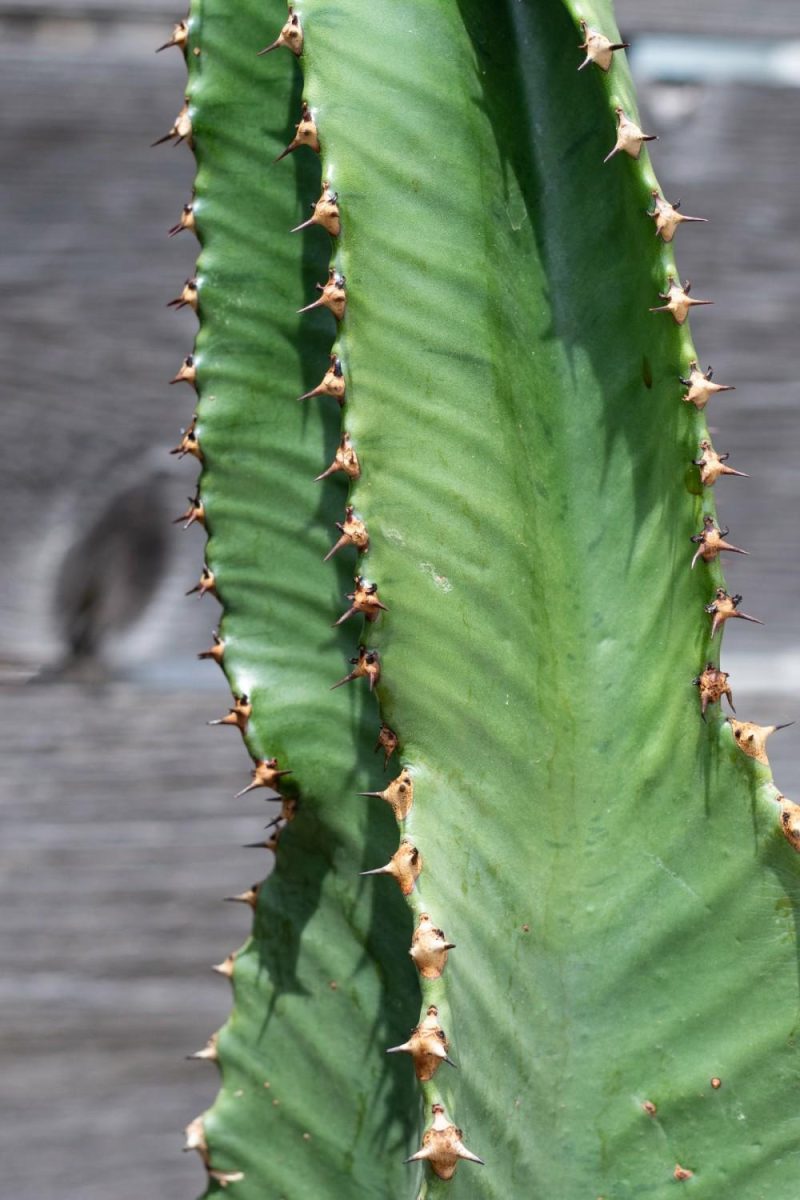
609, 865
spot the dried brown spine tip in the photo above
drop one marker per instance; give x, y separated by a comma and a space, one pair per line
209, 1052
181, 129
387, 741
223, 1178
239, 715
189, 443
226, 966
266, 774
668, 218
630, 138
366, 665
332, 384
701, 386
195, 513
723, 607
325, 212
712, 541
752, 739
442, 1146
291, 36
207, 583
428, 1046
345, 460
399, 794
405, 866
216, 651
333, 295
185, 221
678, 300
250, 897
188, 296
790, 827
429, 948
599, 50
712, 465
713, 685
305, 134
196, 1138
187, 372
178, 37
354, 533
364, 600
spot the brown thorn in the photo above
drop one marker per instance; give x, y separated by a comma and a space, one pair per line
187, 372
178, 37
326, 213
404, 866
265, 774
189, 443
712, 465
713, 685
291, 36
630, 137
442, 1146
332, 383
678, 300
216, 651
195, 512
333, 295
354, 533
399, 794
428, 1046
723, 607
790, 828
186, 221
249, 897
598, 48
367, 664
387, 739
365, 600
207, 583
345, 460
752, 739
196, 1138
667, 217
188, 297
181, 129
700, 385
226, 966
429, 948
712, 541
239, 715
209, 1051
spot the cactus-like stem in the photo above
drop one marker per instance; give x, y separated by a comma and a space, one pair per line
515, 447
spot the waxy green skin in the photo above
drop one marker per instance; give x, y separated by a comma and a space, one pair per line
609, 867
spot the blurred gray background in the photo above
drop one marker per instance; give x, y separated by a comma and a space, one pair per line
120, 832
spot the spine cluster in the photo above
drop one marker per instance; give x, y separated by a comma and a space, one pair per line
428, 1044
710, 541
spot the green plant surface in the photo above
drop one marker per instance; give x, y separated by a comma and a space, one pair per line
610, 867
327, 953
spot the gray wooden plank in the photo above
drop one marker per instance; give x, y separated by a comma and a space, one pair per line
718, 18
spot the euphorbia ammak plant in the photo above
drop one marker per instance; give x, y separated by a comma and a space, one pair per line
564, 889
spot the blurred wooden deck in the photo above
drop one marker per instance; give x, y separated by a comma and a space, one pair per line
121, 834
